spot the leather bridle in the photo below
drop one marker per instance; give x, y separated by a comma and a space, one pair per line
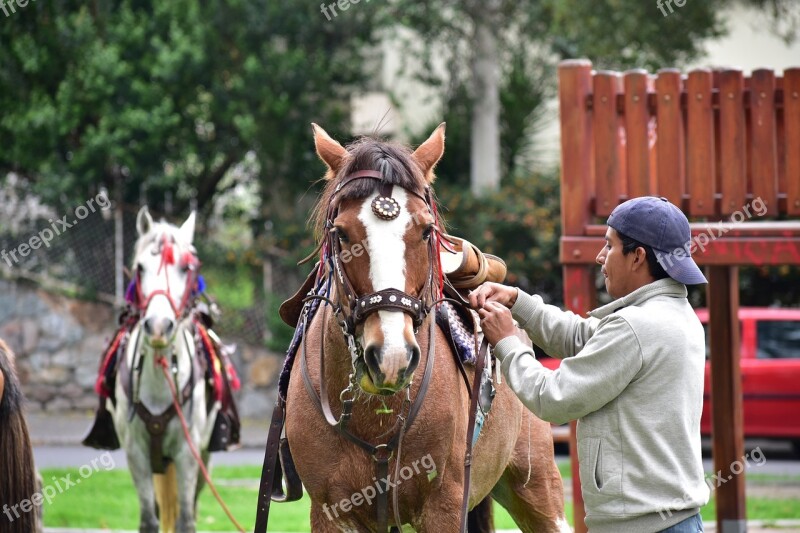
352, 309
189, 261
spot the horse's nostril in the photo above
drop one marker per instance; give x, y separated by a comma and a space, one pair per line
148, 326
168, 326
373, 359
413, 360
414, 356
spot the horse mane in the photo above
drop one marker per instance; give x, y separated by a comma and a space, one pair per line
393, 160
18, 479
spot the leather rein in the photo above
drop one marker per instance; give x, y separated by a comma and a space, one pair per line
350, 311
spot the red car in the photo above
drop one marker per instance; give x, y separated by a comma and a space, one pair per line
770, 366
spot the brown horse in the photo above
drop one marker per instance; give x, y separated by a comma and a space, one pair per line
17, 473
383, 219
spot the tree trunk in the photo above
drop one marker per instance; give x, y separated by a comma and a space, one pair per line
485, 137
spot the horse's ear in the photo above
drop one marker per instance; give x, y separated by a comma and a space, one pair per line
430, 152
186, 231
144, 222
331, 152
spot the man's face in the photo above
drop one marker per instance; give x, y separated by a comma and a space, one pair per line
615, 266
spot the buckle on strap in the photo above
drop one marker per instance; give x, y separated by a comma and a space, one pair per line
382, 453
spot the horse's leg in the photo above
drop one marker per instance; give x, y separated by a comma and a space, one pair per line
205, 455
188, 471
442, 511
530, 488
139, 465
326, 519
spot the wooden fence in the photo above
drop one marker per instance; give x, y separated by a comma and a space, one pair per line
724, 147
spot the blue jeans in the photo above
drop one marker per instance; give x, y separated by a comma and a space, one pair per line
693, 524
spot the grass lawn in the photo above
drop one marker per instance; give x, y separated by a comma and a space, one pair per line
107, 499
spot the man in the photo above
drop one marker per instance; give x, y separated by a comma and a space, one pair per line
632, 373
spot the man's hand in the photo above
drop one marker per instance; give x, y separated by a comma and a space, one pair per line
492, 292
496, 322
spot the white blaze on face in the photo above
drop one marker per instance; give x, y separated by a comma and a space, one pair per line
387, 270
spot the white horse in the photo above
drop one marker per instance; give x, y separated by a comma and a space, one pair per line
165, 269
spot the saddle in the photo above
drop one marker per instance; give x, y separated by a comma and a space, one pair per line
464, 266
215, 364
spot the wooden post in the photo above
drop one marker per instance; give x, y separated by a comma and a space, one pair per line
580, 292
608, 165
733, 136
726, 397
671, 143
637, 135
764, 139
700, 172
119, 252
577, 189
791, 121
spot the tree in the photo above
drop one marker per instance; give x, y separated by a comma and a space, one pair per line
784, 16
479, 39
615, 34
169, 96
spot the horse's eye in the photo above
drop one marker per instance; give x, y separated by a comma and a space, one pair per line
342, 236
139, 268
426, 233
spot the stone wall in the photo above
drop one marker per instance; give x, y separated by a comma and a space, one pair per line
58, 342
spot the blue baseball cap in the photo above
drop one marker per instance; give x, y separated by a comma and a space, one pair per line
662, 226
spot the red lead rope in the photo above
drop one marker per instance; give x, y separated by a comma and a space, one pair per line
165, 367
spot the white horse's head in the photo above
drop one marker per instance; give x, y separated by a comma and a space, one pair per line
165, 265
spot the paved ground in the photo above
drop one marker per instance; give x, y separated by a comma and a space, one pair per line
56, 441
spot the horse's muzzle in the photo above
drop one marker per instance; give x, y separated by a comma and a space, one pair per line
159, 331
388, 371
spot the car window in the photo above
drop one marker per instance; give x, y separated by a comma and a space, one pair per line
778, 339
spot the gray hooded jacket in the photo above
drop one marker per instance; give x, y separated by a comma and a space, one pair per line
632, 375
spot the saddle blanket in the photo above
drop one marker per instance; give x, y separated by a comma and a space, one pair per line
461, 331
